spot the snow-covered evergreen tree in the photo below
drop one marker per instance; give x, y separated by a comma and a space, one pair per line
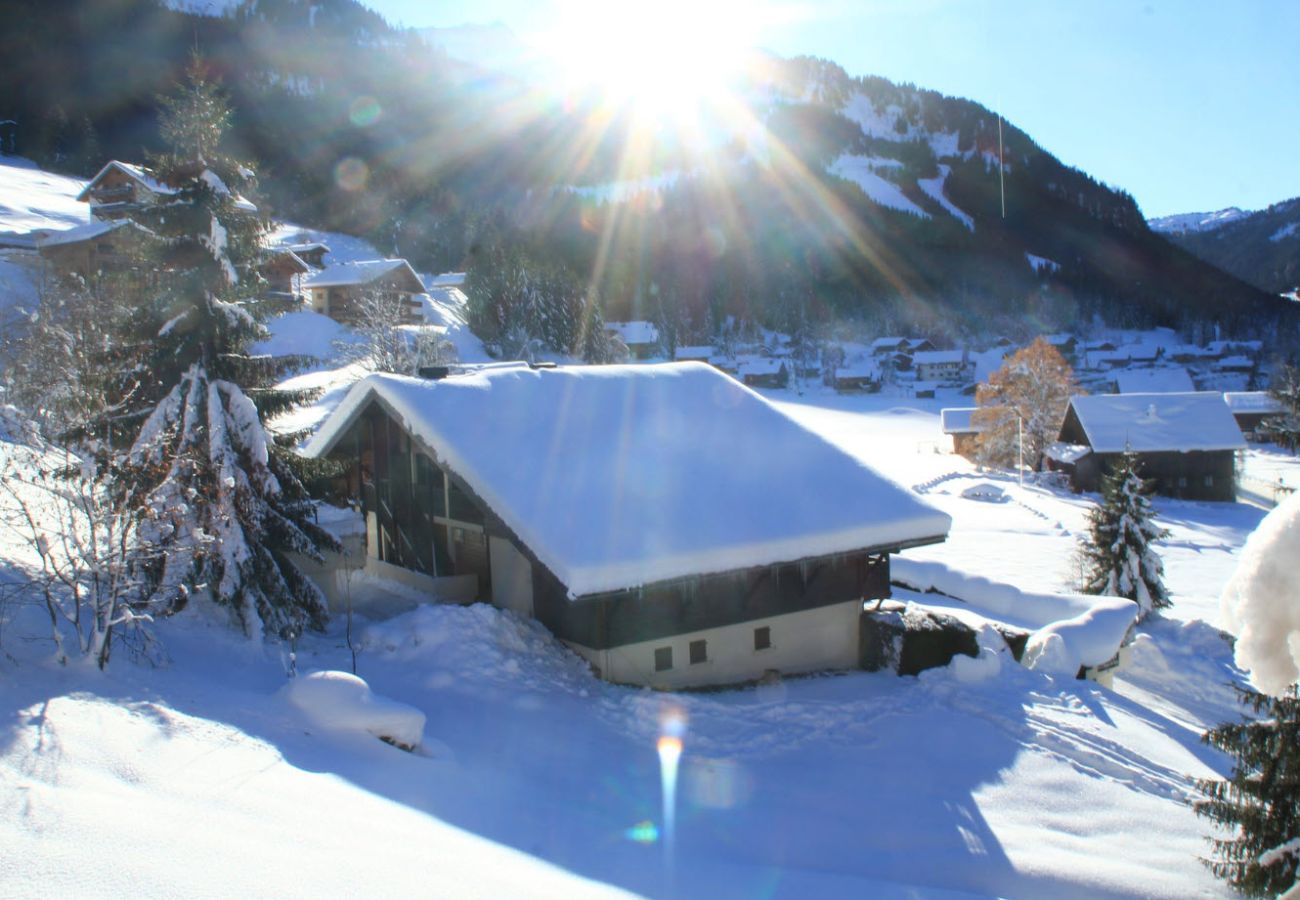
1119, 558
222, 498
1261, 801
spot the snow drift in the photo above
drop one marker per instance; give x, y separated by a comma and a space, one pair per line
344, 702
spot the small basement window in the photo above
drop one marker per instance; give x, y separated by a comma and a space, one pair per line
762, 638
663, 659
1209, 481
699, 652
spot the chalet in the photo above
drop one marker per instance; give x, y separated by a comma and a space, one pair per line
1162, 380
1099, 346
863, 377
1252, 409
700, 353
284, 271
641, 338
918, 345
767, 373
1143, 354
1065, 344
924, 390
121, 189
958, 422
607, 503
336, 290
96, 247
944, 366
1185, 442
310, 252
1188, 353
887, 346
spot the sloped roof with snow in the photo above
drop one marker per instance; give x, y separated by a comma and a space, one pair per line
1150, 423
764, 366
87, 232
957, 420
364, 272
447, 280
938, 357
618, 476
1253, 402
138, 173
1165, 380
697, 352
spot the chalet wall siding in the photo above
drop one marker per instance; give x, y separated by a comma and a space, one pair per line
811, 640
696, 604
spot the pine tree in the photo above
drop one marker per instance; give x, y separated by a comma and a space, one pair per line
223, 498
1118, 554
1261, 800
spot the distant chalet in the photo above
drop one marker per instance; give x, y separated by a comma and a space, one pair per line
1185, 442
337, 290
611, 504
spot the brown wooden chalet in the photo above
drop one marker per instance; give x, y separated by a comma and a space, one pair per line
607, 503
336, 290
283, 271
960, 424
1186, 443
94, 248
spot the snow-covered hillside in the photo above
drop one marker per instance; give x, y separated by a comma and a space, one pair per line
1201, 221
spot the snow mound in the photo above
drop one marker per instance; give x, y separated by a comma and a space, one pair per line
1261, 604
1069, 630
1088, 639
305, 333
344, 702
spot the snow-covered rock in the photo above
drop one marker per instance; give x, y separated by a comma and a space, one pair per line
342, 701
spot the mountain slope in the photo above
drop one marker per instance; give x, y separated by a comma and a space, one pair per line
825, 197
1262, 248
1197, 222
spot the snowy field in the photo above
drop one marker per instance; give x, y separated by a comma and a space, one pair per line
206, 776
535, 778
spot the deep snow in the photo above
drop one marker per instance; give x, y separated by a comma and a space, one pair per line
199, 777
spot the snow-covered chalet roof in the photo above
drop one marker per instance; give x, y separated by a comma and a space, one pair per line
1253, 402
364, 272
957, 420
938, 357
761, 366
635, 332
699, 352
87, 232
1164, 380
131, 170
1150, 423
447, 280
618, 476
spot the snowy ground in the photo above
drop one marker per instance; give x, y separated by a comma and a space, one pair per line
535, 778
200, 776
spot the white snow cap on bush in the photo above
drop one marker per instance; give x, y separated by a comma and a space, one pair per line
1261, 604
341, 700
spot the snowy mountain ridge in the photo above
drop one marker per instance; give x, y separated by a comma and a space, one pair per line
1181, 223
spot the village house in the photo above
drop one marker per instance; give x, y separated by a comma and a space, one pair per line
283, 271
94, 248
1252, 409
958, 422
337, 290
1161, 380
887, 346
634, 532
860, 377
1186, 443
944, 366
697, 353
120, 189
767, 373
641, 338
310, 252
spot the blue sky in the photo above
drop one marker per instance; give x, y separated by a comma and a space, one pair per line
1189, 105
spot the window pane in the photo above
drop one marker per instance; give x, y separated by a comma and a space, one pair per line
762, 638
663, 659
699, 652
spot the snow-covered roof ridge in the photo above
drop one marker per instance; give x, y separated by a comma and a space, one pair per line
1252, 402
930, 357
618, 476
1151, 422
1166, 379
89, 231
360, 272
137, 172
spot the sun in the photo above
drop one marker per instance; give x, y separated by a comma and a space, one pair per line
663, 60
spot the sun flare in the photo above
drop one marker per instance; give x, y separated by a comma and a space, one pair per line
663, 61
